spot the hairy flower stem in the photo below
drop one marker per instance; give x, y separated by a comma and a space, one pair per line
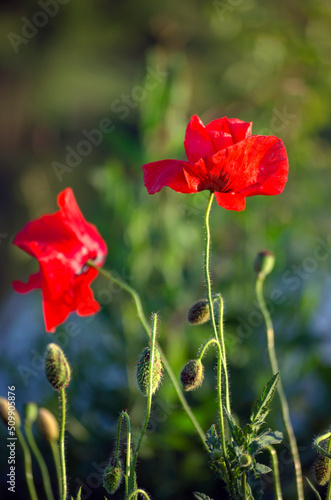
40, 460
144, 322
149, 402
244, 485
61, 444
27, 464
142, 492
281, 393
326, 452
221, 361
275, 470
125, 415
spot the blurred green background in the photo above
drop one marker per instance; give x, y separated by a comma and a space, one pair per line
141, 70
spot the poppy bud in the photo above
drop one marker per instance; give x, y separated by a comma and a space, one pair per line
6, 412
245, 460
322, 470
57, 368
112, 475
30, 412
191, 376
47, 425
199, 313
264, 263
143, 371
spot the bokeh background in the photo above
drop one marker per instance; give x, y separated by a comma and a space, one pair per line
140, 70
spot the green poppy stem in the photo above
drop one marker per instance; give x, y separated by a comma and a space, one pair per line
62, 446
275, 470
145, 324
27, 464
142, 492
281, 393
57, 462
125, 415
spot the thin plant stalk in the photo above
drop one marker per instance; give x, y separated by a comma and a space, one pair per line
57, 462
328, 493
125, 415
244, 485
281, 393
61, 445
142, 492
275, 470
225, 366
149, 399
27, 464
40, 460
134, 294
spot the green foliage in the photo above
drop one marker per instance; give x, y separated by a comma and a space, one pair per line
201, 496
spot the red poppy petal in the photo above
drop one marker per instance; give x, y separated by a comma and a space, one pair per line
198, 142
220, 134
169, 173
34, 282
257, 165
239, 130
231, 201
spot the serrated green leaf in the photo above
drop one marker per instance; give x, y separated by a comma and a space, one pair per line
248, 430
255, 484
265, 439
201, 496
212, 439
237, 433
79, 493
261, 407
318, 496
262, 469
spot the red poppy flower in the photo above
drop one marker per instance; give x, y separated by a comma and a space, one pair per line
62, 242
226, 159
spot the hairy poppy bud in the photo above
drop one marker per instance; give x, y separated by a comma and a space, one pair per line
9, 414
191, 376
264, 263
322, 470
57, 368
143, 371
47, 425
199, 313
112, 475
30, 412
245, 460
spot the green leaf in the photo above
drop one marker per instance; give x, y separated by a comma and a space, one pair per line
313, 488
255, 484
201, 496
237, 433
262, 469
212, 439
265, 439
79, 493
261, 407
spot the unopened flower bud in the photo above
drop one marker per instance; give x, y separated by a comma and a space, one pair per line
199, 313
30, 412
245, 460
47, 425
322, 470
112, 475
142, 374
57, 368
264, 263
9, 414
191, 376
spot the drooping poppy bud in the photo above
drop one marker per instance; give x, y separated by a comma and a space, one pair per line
30, 412
113, 475
47, 425
199, 313
9, 414
264, 263
322, 470
57, 368
143, 370
192, 375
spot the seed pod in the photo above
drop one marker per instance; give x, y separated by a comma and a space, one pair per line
6, 412
192, 375
322, 470
264, 263
47, 425
199, 313
57, 368
113, 475
245, 460
143, 371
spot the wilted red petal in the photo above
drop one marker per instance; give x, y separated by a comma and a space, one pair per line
169, 173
